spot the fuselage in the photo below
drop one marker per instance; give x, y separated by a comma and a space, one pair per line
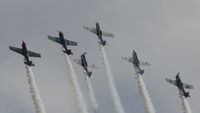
135, 60
85, 65
24, 49
136, 63
99, 34
25, 52
62, 40
179, 83
84, 62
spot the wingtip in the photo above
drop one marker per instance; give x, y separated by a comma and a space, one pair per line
112, 35
10, 47
40, 56
84, 27
122, 57
75, 60
48, 36
96, 22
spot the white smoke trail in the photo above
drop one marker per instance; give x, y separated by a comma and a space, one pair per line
75, 85
145, 95
91, 95
117, 102
34, 91
185, 105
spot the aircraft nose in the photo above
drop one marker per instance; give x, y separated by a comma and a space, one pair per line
60, 32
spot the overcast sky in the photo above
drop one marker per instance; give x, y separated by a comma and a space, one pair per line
163, 32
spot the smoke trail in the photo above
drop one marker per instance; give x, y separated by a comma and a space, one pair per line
91, 95
34, 91
117, 102
145, 95
185, 104
75, 85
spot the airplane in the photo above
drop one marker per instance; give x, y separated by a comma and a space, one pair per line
99, 33
61, 40
136, 63
85, 65
26, 53
180, 85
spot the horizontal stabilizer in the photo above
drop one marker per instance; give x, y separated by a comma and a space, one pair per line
89, 74
103, 42
187, 94
68, 52
30, 63
141, 72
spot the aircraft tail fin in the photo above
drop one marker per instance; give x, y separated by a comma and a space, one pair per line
187, 94
141, 72
30, 63
89, 74
103, 42
69, 52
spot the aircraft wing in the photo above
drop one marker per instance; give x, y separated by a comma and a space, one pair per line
55, 39
71, 43
91, 29
129, 59
33, 54
105, 34
188, 86
93, 66
171, 81
78, 61
15, 49
143, 63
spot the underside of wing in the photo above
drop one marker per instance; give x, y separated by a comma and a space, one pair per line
91, 65
106, 34
15, 49
55, 39
33, 54
171, 81
91, 29
78, 61
129, 59
71, 43
143, 63
188, 86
